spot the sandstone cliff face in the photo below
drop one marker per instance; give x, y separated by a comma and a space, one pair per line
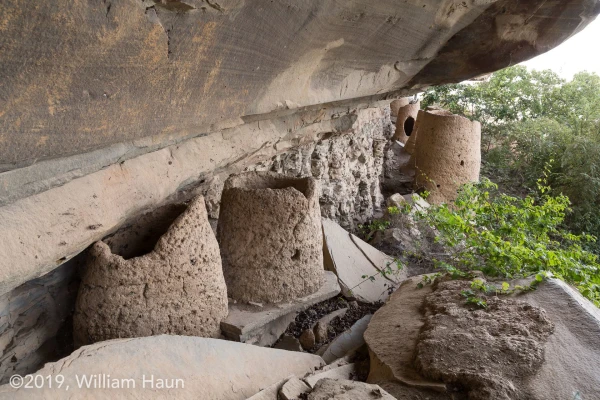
79, 76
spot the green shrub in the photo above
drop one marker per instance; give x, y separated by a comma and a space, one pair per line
513, 237
529, 118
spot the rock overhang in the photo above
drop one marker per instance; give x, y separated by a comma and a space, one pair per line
155, 71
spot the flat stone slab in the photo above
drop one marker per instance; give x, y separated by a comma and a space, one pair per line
572, 354
194, 368
259, 325
344, 372
353, 260
419, 203
293, 389
270, 392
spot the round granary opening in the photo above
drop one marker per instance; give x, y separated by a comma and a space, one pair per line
271, 181
409, 125
140, 237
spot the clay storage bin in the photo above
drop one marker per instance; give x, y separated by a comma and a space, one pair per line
405, 122
411, 142
396, 105
270, 236
177, 288
447, 154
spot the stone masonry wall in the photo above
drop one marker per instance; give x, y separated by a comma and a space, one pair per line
348, 165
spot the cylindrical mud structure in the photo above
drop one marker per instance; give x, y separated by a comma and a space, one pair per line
178, 288
405, 122
411, 142
396, 105
447, 154
270, 236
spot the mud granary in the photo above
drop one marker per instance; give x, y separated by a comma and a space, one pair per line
110, 110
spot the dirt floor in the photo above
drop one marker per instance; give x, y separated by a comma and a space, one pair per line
308, 318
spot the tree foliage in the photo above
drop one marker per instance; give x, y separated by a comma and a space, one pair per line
514, 237
531, 119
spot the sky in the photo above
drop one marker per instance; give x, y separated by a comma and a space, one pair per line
581, 52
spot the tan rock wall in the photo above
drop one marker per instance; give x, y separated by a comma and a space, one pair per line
177, 288
270, 236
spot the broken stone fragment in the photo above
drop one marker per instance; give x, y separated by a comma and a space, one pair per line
177, 288
288, 343
331, 389
307, 339
293, 389
396, 200
362, 270
270, 237
417, 202
340, 373
321, 327
270, 392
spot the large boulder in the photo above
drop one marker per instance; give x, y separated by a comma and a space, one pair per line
540, 345
176, 288
392, 337
363, 271
572, 352
186, 367
270, 236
